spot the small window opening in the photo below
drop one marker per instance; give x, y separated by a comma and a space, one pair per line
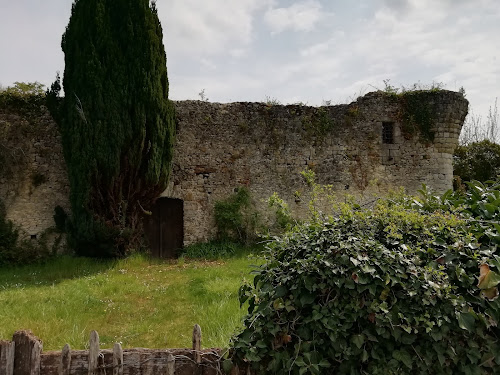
33, 236
388, 132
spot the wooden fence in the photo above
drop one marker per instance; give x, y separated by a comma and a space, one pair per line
24, 356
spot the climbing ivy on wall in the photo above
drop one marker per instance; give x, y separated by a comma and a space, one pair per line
25, 100
418, 111
418, 115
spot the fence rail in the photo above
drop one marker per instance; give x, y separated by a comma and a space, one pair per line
24, 356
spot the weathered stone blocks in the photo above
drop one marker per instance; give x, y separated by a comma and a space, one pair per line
220, 147
343, 146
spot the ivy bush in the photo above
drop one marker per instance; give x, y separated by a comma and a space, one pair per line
479, 206
392, 290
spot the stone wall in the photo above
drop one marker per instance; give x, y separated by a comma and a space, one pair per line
33, 179
221, 147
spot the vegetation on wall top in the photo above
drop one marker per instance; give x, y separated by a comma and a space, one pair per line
25, 100
418, 111
25, 97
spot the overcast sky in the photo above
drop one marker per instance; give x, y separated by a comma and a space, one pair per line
294, 51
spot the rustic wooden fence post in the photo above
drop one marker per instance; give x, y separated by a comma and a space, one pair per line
7, 357
27, 353
170, 364
93, 353
117, 359
197, 348
197, 343
65, 365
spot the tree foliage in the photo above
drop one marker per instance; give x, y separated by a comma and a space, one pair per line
477, 161
25, 89
117, 123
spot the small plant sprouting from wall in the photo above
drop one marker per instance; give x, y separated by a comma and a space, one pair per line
270, 101
38, 179
235, 217
203, 96
324, 123
284, 218
353, 111
319, 124
321, 196
351, 114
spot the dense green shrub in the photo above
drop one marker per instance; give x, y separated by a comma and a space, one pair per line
13, 249
235, 217
478, 205
477, 161
385, 291
116, 121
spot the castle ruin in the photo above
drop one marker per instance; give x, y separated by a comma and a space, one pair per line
366, 148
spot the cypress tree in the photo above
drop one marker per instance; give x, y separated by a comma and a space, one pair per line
116, 121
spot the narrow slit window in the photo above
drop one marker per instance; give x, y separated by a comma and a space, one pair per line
388, 132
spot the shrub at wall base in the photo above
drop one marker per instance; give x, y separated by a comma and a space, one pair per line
387, 291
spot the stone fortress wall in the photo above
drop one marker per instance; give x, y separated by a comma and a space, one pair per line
221, 147
33, 179
363, 148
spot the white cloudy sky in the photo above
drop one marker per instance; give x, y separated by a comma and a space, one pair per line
305, 50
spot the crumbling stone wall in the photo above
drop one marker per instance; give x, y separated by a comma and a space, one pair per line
33, 179
221, 147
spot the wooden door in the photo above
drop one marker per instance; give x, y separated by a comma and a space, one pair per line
165, 227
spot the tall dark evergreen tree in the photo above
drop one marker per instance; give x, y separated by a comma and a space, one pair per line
116, 120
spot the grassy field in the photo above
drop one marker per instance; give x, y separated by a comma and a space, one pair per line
137, 302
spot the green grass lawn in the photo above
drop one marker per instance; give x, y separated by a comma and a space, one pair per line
137, 302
